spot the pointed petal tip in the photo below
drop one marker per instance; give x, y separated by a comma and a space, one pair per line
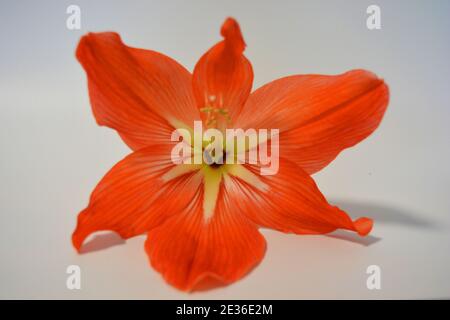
363, 226
232, 33
83, 46
365, 74
77, 241
378, 81
203, 282
89, 39
228, 25
79, 234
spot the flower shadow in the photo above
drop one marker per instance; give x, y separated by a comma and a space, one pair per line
382, 214
101, 242
353, 237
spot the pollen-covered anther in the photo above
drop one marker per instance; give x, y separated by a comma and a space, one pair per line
212, 112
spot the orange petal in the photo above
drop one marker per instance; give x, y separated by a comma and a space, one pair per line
136, 92
318, 116
135, 195
223, 77
288, 201
191, 252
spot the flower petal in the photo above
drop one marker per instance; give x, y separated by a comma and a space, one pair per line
288, 201
223, 77
137, 92
192, 252
318, 116
137, 194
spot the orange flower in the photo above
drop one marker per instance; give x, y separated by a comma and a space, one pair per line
202, 221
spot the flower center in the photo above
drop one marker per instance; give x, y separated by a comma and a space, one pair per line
214, 160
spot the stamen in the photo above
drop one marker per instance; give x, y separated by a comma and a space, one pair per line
180, 170
246, 175
213, 108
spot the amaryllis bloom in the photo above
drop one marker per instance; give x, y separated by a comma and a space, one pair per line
202, 220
